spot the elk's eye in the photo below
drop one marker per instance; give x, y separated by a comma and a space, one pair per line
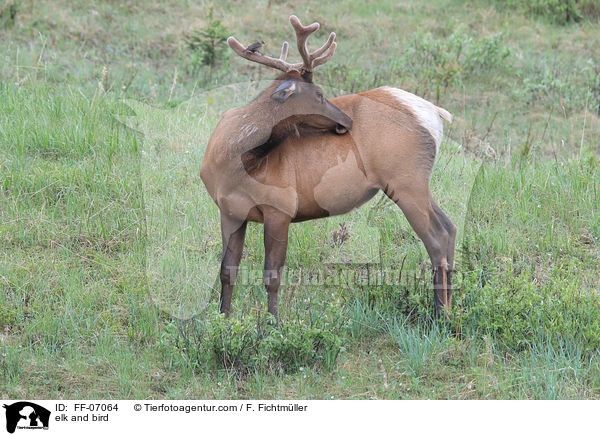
320, 96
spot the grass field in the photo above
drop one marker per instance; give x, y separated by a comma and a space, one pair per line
109, 244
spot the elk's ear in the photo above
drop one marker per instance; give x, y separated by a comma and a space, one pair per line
284, 91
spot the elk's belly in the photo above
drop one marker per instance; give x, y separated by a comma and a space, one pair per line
336, 190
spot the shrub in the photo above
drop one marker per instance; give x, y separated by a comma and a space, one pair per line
249, 344
519, 313
527, 280
352, 80
447, 61
8, 317
435, 62
558, 11
207, 45
8, 13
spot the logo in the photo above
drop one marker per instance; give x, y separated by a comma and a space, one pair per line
26, 415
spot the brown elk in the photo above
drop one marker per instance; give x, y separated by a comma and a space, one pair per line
291, 155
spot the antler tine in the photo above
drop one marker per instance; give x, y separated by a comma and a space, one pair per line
284, 51
322, 59
279, 64
314, 59
318, 52
302, 34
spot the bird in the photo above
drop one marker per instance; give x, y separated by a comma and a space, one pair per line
254, 47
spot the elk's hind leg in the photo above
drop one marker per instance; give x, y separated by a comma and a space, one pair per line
424, 217
276, 238
233, 233
451, 229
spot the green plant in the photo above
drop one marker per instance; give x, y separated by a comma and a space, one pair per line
487, 53
8, 317
438, 63
250, 344
445, 62
8, 13
419, 345
207, 45
558, 11
350, 80
520, 313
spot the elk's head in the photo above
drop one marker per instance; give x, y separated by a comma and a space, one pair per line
302, 103
295, 98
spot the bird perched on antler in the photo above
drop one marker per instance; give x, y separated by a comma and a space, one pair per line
255, 47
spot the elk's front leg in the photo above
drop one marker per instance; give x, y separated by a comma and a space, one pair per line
276, 238
233, 233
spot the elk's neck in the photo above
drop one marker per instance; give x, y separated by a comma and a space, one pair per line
251, 126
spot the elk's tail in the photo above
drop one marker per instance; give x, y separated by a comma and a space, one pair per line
444, 114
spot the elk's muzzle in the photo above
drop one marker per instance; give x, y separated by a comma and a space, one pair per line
344, 122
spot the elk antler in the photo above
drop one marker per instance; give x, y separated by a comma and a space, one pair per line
309, 60
279, 64
317, 57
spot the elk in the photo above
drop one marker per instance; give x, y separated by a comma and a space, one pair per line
291, 155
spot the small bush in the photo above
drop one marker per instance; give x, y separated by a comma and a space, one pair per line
249, 344
207, 45
575, 89
558, 11
437, 63
8, 317
352, 80
8, 13
520, 313
445, 62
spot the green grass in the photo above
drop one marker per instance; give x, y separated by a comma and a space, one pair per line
109, 244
